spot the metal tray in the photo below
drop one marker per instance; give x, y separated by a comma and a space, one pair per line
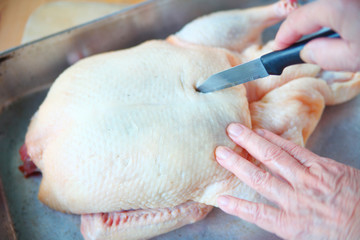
27, 71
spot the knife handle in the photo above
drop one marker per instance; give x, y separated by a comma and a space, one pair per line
276, 61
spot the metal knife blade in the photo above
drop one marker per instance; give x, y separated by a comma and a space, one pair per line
249, 71
272, 63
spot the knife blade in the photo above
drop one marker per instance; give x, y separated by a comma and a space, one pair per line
269, 64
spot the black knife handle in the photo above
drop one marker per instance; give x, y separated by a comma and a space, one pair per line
276, 61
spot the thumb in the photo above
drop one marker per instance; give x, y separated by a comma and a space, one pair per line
332, 54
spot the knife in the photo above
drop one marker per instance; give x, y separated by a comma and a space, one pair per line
269, 64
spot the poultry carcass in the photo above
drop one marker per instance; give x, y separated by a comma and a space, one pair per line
124, 139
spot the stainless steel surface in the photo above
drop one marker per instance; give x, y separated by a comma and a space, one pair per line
30, 68
234, 76
36, 64
6, 227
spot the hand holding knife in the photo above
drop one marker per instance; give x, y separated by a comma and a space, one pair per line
270, 64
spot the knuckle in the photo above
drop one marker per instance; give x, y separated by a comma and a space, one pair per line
317, 167
295, 150
248, 136
339, 180
260, 178
329, 176
255, 211
237, 207
288, 203
320, 186
283, 228
279, 219
272, 153
337, 169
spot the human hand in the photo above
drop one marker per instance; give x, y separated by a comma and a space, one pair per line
317, 198
331, 54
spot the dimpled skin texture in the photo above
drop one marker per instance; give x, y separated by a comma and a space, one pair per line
127, 130
121, 132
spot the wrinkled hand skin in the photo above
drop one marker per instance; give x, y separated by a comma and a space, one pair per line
315, 197
340, 15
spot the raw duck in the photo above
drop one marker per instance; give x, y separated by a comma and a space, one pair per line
124, 139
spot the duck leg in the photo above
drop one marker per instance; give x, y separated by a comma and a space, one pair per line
234, 29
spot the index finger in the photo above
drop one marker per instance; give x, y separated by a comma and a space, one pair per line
303, 155
271, 155
305, 20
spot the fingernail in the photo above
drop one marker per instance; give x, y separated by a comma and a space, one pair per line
307, 55
235, 130
260, 132
223, 201
222, 153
